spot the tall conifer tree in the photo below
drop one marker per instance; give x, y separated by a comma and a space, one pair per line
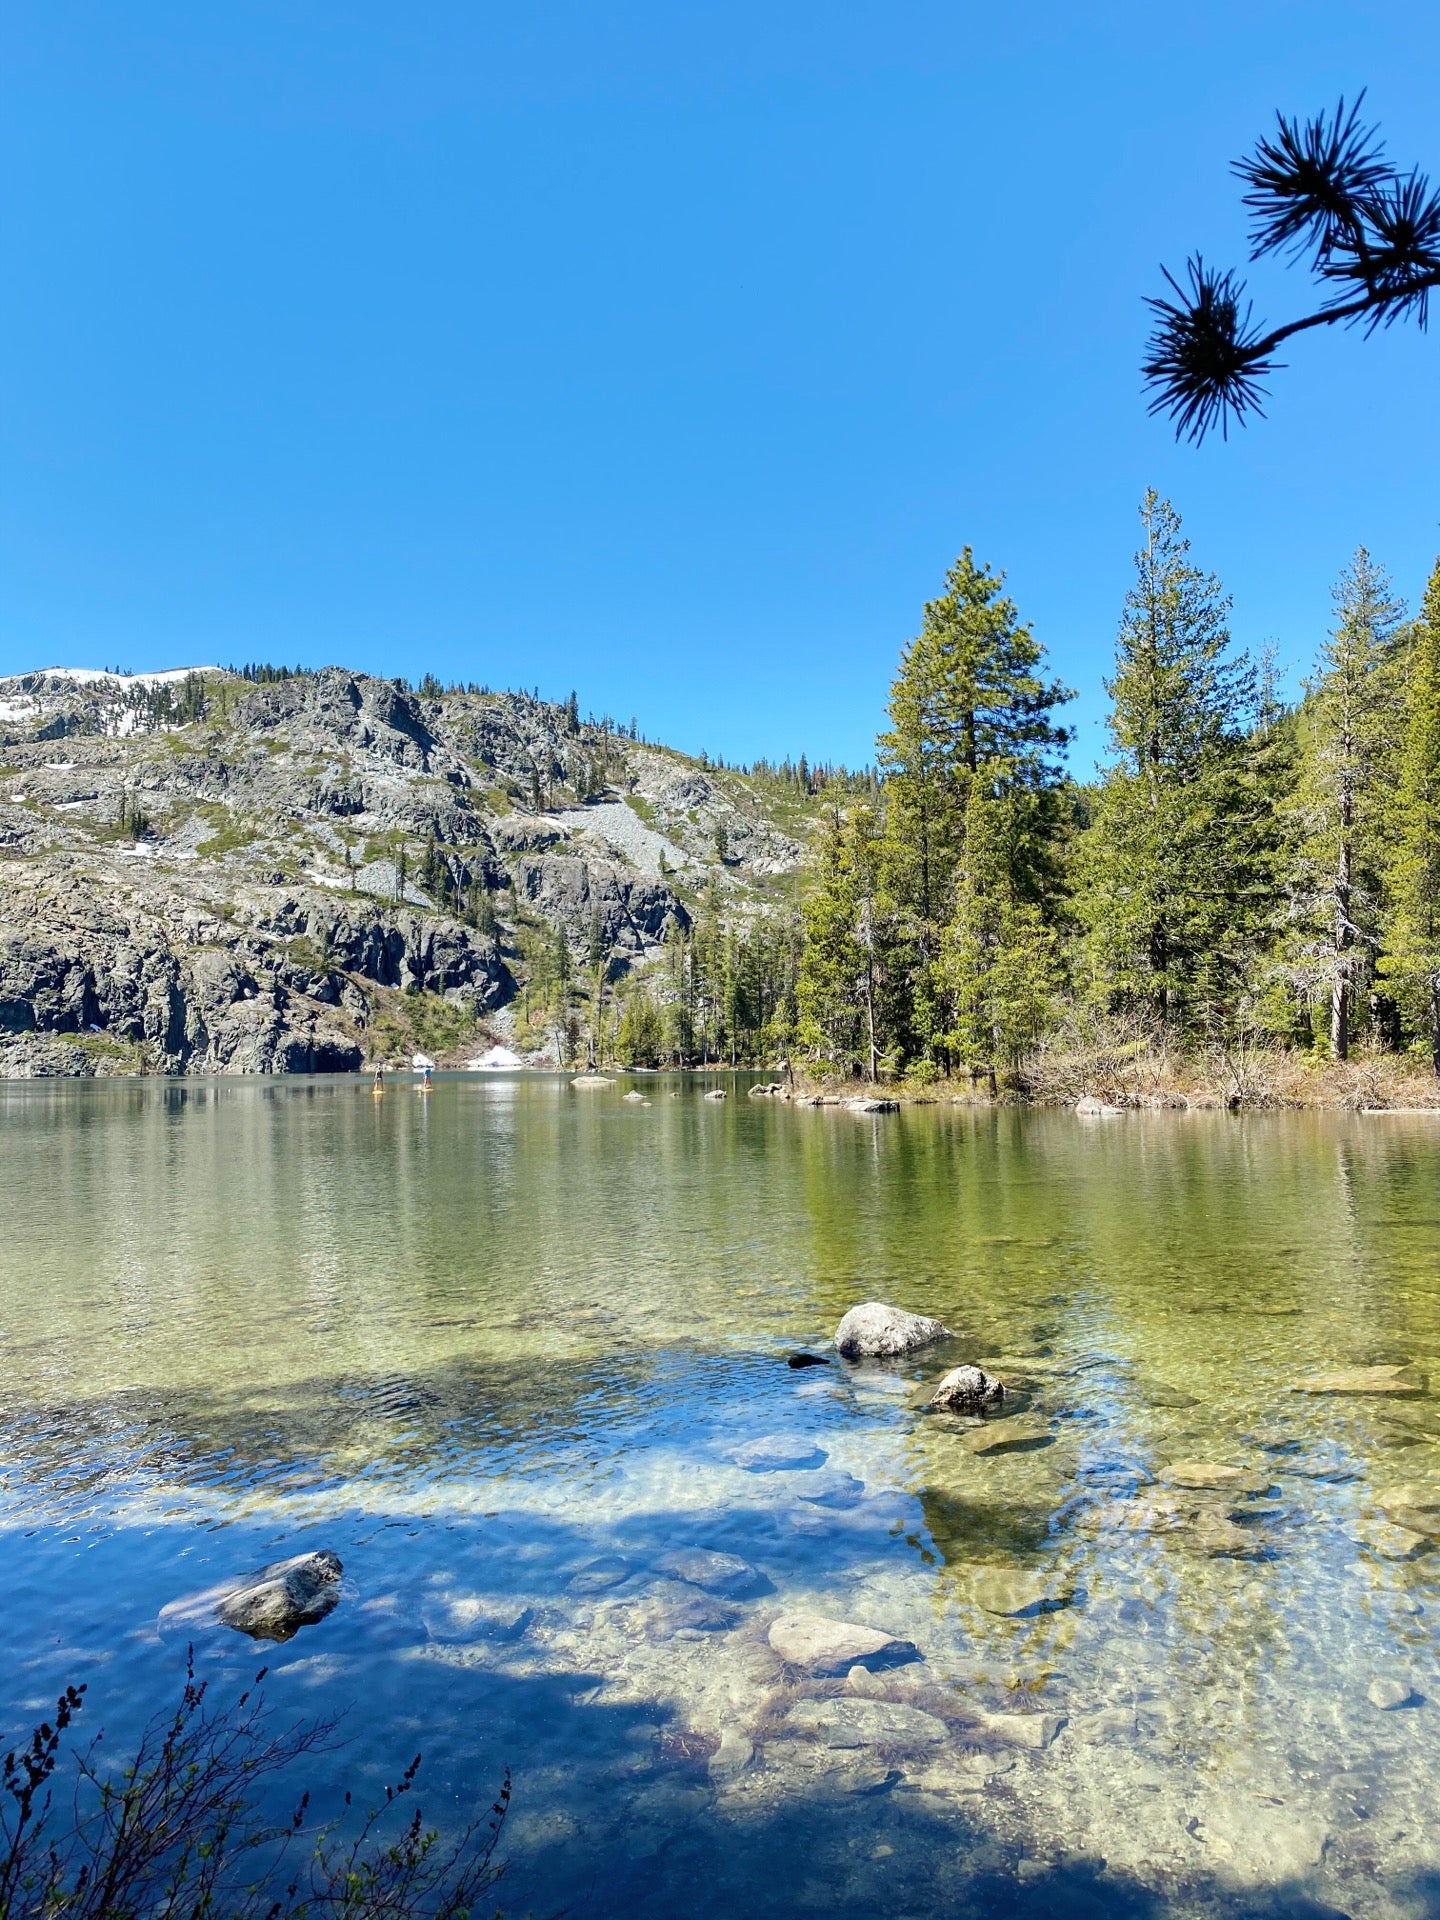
1173, 883
1350, 726
970, 702
1412, 962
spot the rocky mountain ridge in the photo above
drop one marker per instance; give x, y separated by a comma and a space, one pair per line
199, 874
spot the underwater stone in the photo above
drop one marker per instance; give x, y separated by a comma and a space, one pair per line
1414, 1504
1011, 1591
1034, 1730
1389, 1694
832, 1489
1359, 1380
715, 1572
876, 1330
826, 1646
866, 1723
778, 1453
1200, 1476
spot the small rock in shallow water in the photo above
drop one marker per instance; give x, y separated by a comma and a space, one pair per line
1034, 1730
591, 1082
716, 1093
778, 1453
1359, 1380
1389, 1694
806, 1360
825, 1646
715, 1572
1387, 1540
638, 1098
1414, 1504
831, 1489
1020, 1435
878, 1331
866, 1723
1200, 1476
1011, 1591
731, 1757
967, 1390
473, 1616
608, 1570
275, 1602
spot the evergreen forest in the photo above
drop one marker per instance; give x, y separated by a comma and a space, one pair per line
1244, 878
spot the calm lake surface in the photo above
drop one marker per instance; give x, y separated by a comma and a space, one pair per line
496, 1347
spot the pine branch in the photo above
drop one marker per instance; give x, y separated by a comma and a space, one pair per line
1322, 189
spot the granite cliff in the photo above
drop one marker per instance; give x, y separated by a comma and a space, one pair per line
203, 875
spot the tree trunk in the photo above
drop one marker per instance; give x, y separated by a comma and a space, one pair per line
1340, 985
1435, 1020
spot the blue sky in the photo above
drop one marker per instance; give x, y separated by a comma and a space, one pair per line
669, 352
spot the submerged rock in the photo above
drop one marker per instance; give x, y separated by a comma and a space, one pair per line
1359, 1380
1202, 1477
279, 1599
1414, 1505
876, 1330
1012, 1591
473, 1616
825, 1646
778, 1453
715, 1572
798, 1360
832, 1489
605, 1570
1387, 1695
852, 1722
1018, 1435
967, 1390
1034, 1730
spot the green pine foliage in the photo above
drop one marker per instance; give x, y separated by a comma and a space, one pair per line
1411, 966
1350, 724
1174, 874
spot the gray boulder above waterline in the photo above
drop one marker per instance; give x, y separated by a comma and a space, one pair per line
967, 1390
877, 1330
716, 1093
826, 1646
871, 1103
1092, 1109
586, 1081
272, 1603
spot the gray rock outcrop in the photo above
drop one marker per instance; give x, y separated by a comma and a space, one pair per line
967, 1390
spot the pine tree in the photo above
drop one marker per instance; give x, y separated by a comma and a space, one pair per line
1349, 725
1412, 961
1000, 963
837, 993
1174, 870
970, 702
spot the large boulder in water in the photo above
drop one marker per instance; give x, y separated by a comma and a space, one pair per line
876, 1330
276, 1602
967, 1390
272, 1603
